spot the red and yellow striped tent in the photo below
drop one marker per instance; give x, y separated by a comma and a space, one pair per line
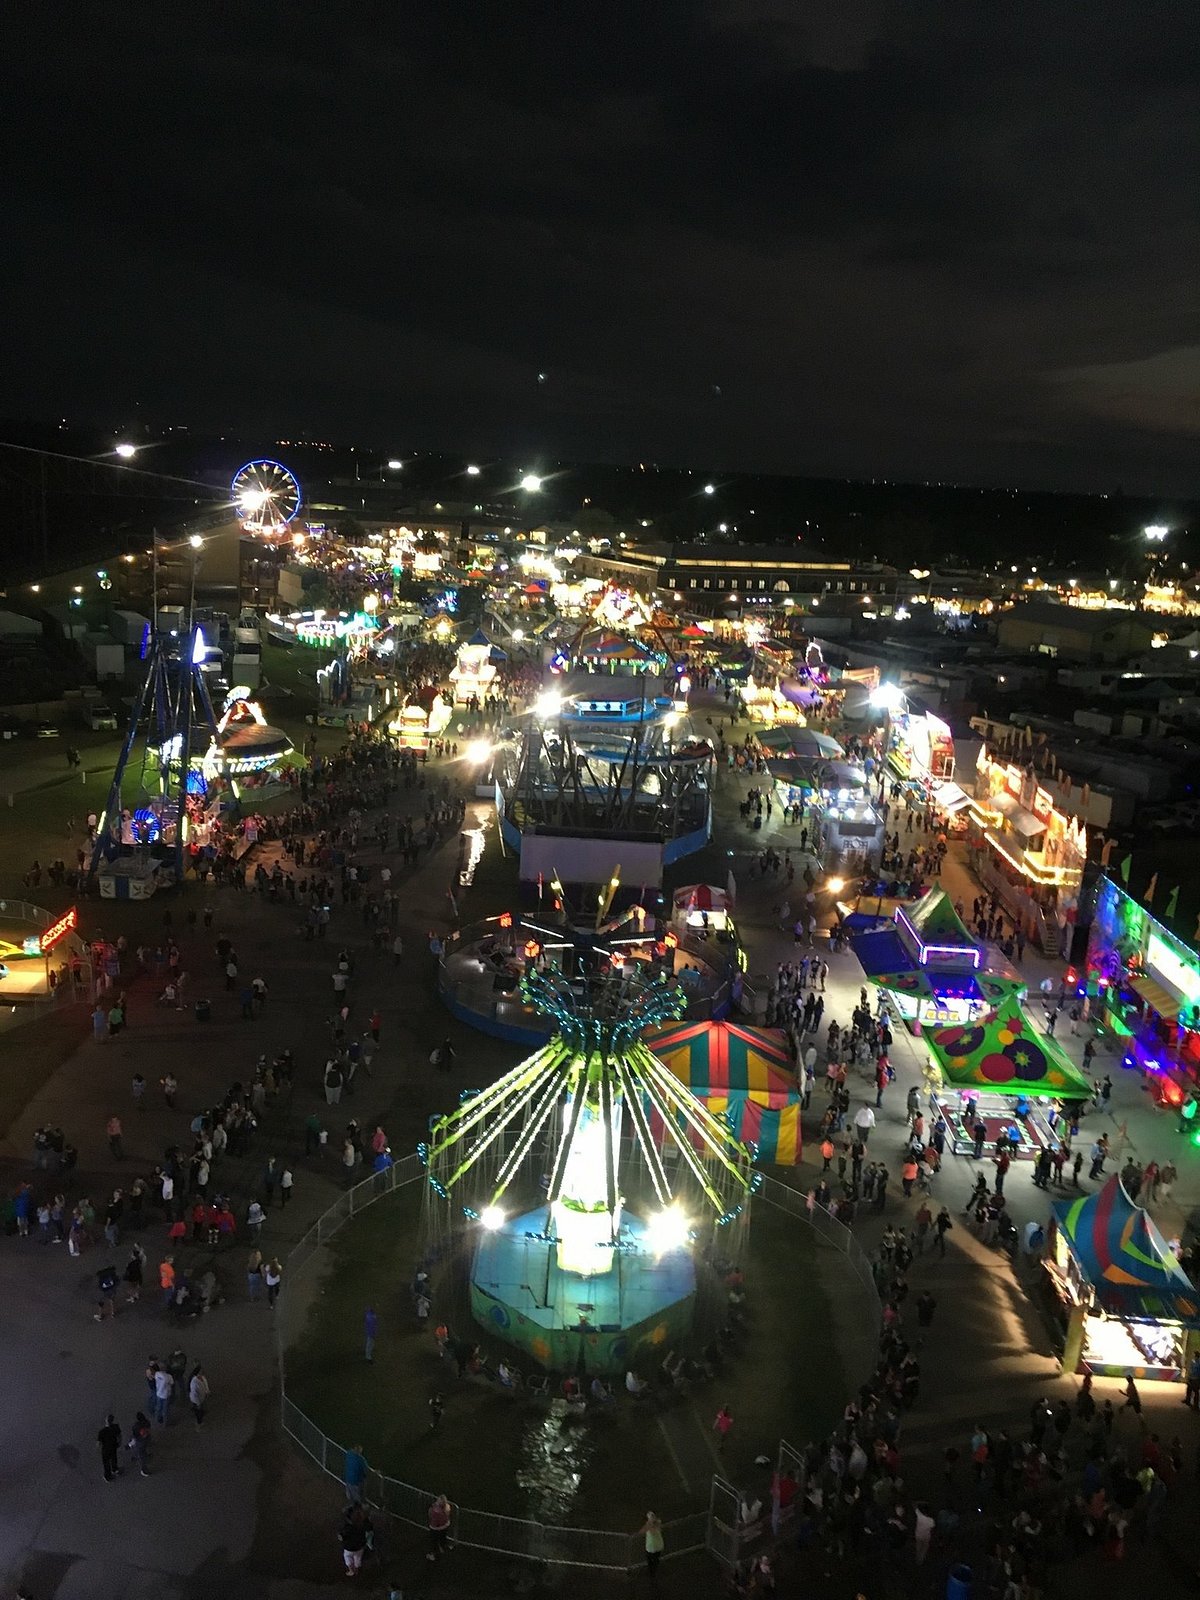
743, 1072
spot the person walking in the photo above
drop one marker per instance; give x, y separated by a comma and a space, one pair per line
354, 1474
722, 1424
1191, 1393
286, 1181
254, 1273
198, 1393
272, 1276
942, 1227
651, 1532
109, 1440
370, 1332
353, 1537
113, 1130
438, 1517
139, 1442
164, 1388
864, 1121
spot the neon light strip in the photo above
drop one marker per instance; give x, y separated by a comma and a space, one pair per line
938, 949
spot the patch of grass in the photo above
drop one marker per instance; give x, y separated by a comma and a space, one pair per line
507, 1455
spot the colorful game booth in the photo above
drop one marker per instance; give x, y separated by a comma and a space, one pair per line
1126, 1305
930, 968
1142, 984
1002, 1072
743, 1075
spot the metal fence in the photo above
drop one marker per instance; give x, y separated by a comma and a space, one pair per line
596, 1548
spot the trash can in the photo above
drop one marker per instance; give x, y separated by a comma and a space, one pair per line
203, 1010
958, 1583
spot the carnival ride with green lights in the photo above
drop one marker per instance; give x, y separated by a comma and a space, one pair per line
595, 1190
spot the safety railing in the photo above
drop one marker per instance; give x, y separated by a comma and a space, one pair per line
600, 1549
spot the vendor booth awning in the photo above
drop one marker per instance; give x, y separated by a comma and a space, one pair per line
1156, 997
744, 1073
882, 953
1021, 821
886, 960
935, 922
808, 742
948, 797
1004, 1055
997, 989
781, 740
1125, 1259
699, 897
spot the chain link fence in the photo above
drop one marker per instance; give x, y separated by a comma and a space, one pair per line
599, 1549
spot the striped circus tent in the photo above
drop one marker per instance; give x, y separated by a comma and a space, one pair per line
743, 1073
1125, 1258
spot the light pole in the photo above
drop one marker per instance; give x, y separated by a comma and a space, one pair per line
196, 543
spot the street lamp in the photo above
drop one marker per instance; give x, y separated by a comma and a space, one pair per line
710, 488
394, 465
196, 543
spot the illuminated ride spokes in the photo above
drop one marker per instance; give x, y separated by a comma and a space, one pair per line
266, 496
562, 1112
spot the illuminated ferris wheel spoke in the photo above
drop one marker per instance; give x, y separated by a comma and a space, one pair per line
266, 496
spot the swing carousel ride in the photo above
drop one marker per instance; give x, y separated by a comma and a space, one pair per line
598, 1191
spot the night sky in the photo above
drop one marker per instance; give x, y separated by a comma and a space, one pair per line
932, 240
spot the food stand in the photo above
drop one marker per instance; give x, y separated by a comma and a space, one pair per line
928, 965
1127, 1307
1013, 1076
1142, 984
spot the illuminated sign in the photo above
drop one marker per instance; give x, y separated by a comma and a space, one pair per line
58, 931
1165, 963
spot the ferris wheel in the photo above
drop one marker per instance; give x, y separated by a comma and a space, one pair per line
266, 496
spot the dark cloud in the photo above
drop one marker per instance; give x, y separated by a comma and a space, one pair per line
936, 239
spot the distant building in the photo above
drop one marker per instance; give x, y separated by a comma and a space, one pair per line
1072, 633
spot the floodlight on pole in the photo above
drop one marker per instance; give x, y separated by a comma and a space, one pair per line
888, 696
1155, 532
394, 465
126, 451
531, 483
473, 471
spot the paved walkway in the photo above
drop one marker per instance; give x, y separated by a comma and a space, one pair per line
234, 1510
